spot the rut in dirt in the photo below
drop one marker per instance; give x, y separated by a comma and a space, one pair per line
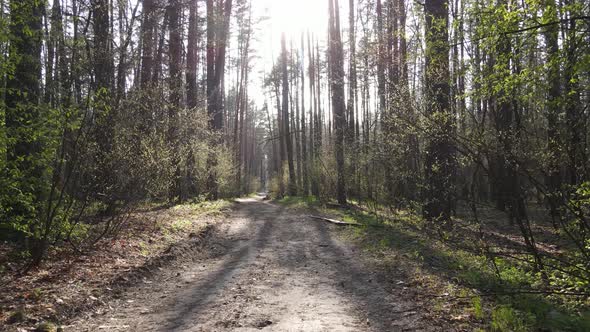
278, 271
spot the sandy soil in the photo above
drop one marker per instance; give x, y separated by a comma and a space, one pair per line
267, 268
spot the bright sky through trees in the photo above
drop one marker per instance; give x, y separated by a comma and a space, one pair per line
291, 17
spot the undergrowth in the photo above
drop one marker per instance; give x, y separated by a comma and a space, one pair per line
299, 202
501, 293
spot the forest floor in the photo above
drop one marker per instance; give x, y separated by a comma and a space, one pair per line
266, 267
261, 265
253, 264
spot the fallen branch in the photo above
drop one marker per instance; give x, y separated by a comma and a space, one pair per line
336, 222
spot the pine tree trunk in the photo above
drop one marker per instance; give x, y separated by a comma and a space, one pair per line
292, 187
381, 59
338, 104
313, 109
553, 109
217, 33
103, 59
439, 162
577, 167
304, 156
175, 49
192, 55
296, 121
147, 38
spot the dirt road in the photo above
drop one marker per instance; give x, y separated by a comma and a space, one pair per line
274, 270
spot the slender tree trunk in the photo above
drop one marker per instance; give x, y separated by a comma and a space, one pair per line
577, 168
64, 79
75, 67
352, 85
319, 116
381, 58
175, 49
292, 187
192, 55
337, 89
242, 100
353, 123
216, 48
294, 93
553, 109
103, 60
159, 58
147, 39
192, 92
305, 182
313, 108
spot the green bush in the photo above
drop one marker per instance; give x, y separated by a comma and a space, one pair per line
505, 318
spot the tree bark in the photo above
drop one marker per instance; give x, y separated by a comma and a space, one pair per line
292, 187
352, 86
23, 115
337, 89
192, 54
304, 156
147, 39
553, 109
103, 59
381, 59
216, 47
439, 151
175, 49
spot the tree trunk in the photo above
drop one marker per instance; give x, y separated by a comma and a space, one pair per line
175, 49
577, 166
192, 54
353, 121
23, 93
352, 85
313, 109
381, 59
103, 59
439, 151
292, 187
553, 109
305, 182
147, 39
337, 89
216, 48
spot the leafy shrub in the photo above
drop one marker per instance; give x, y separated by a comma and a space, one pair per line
505, 318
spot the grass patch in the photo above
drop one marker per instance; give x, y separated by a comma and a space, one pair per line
180, 219
180, 225
505, 318
203, 208
299, 202
476, 303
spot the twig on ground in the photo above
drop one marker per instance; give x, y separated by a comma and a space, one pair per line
334, 221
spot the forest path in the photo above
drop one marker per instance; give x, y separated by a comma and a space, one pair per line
278, 271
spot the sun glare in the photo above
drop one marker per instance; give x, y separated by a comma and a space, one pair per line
292, 17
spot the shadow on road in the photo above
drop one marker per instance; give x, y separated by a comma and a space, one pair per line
187, 313
307, 249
